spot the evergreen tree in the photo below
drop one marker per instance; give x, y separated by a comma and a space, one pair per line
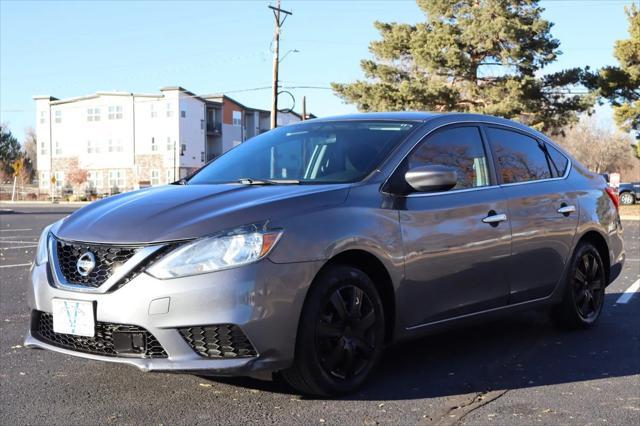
621, 85
10, 150
471, 56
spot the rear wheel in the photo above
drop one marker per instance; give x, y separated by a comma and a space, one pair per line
627, 198
340, 336
583, 296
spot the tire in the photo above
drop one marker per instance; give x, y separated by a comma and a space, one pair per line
627, 198
336, 348
584, 290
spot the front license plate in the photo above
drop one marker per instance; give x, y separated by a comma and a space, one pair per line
73, 317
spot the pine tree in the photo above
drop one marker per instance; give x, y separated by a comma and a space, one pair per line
470, 56
621, 85
10, 150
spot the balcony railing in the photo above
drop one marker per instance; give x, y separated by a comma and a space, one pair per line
214, 128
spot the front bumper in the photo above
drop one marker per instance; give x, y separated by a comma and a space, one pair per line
263, 299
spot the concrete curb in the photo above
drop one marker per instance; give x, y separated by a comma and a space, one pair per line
41, 203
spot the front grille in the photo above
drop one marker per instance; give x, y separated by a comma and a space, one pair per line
102, 343
218, 341
107, 257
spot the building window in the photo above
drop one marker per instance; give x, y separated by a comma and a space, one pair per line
44, 179
169, 111
155, 177
116, 179
93, 114
169, 144
59, 179
183, 113
237, 118
169, 175
115, 112
58, 148
154, 145
92, 148
94, 178
201, 124
43, 117
58, 116
202, 156
183, 149
154, 113
115, 145
43, 148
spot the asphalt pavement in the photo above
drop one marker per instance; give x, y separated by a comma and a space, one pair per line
516, 370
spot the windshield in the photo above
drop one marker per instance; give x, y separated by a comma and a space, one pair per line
325, 152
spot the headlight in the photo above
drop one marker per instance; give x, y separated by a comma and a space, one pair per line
43, 243
215, 253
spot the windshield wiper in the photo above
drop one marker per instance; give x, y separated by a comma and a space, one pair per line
251, 181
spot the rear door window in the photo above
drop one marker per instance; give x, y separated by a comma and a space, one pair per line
458, 147
519, 158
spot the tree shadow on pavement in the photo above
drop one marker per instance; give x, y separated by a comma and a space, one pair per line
517, 351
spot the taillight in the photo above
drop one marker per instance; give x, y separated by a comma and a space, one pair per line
614, 197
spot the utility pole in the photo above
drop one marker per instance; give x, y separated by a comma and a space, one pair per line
277, 12
304, 108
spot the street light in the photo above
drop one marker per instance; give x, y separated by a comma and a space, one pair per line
288, 51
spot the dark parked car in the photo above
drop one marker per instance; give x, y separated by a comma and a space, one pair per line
308, 249
629, 193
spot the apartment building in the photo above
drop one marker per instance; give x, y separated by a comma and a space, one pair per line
126, 141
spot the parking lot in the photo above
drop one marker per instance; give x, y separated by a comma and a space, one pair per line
518, 370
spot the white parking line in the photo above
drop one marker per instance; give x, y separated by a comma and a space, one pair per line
19, 247
16, 230
628, 293
18, 242
16, 265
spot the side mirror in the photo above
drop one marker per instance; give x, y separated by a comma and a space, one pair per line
431, 178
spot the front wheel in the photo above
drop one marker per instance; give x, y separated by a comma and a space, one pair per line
583, 296
627, 198
340, 336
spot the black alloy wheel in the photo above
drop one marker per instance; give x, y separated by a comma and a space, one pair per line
584, 291
588, 287
345, 336
341, 333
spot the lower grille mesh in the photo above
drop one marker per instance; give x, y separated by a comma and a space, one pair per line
100, 344
218, 341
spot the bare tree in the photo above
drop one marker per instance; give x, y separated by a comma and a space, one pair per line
76, 176
599, 149
30, 147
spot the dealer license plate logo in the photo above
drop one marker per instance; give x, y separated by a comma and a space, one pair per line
73, 317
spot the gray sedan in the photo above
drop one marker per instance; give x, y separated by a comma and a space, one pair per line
308, 249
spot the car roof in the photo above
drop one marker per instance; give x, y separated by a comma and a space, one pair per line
451, 117
398, 115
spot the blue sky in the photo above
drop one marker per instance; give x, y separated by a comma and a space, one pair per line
66, 49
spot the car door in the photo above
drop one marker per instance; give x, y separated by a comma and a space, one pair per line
457, 243
543, 210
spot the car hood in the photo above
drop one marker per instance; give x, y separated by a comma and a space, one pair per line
178, 212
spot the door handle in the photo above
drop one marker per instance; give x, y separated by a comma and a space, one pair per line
495, 218
566, 210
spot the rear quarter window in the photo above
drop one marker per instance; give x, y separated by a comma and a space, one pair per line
558, 161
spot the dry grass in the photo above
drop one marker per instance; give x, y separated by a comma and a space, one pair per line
630, 212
